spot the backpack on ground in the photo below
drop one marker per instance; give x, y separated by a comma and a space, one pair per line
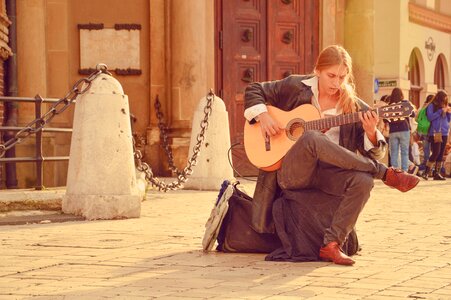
230, 224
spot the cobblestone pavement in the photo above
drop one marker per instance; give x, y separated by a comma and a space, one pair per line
405, 238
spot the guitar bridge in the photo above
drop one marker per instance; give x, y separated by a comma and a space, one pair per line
267, 143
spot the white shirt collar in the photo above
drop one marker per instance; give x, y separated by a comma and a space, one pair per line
313, 84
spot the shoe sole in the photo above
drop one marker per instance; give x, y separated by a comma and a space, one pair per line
326, 259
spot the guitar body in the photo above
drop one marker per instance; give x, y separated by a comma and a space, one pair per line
268, 156
267, 153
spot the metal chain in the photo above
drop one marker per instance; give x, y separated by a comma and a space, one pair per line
56, 109
164, 136
181, 175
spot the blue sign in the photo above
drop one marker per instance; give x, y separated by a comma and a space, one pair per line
376, 85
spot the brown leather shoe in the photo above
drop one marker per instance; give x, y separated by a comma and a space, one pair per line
332, 252
400, 180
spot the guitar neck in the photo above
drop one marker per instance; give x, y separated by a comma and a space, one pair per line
335, 121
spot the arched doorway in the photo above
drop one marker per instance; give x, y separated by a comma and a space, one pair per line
414, 78
439, 72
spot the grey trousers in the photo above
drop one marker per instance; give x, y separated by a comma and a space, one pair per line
314, 161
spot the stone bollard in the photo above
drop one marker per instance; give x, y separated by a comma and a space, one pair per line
212, 164
101, 180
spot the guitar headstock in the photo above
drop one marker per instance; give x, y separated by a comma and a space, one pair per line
396, 111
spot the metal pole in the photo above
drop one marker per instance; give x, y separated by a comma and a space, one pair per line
39, 157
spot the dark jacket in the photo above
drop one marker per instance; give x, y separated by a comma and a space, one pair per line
400, 125
287, 94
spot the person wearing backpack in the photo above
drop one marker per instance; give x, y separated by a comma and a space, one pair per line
423, 129
439, 114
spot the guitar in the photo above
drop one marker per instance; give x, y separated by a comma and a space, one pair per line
267, 153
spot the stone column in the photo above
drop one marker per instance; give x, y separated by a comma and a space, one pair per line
359, 31
191, 67
31, 76
181, 72
332, 22
58, 48
31, 54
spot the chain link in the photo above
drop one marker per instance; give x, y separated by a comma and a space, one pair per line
182, 176
57, 108
164, 136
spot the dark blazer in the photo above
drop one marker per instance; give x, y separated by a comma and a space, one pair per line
287, 94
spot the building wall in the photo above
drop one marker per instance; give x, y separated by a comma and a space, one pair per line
48, 62
178, 38
176, 59
396, 36
177, 46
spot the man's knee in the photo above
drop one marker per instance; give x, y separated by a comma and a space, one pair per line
310, 135
309, 138
364, 182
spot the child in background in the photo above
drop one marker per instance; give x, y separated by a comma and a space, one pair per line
415, 161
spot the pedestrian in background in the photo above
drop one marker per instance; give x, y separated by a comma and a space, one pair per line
439, 113
423, 136
382, 124
414, 154
399, 136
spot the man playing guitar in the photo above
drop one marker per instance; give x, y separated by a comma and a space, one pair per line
341, 161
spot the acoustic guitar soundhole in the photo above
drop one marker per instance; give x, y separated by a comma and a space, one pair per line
295, 129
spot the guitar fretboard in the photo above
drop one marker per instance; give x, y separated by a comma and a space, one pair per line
335, 121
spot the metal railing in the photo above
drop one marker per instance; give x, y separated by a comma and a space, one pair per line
39, 158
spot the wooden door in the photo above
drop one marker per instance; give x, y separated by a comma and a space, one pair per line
260, 40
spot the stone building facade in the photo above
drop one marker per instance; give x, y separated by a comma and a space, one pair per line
412, 47
177, 49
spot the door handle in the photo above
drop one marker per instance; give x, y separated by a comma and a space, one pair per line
248, 75
247, 35
287, 37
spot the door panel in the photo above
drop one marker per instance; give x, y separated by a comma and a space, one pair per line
262, 40
244, 61
285, 33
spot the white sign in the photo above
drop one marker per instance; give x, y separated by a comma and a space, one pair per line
118, 49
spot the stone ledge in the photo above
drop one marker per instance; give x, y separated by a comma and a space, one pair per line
36, 217
31, 200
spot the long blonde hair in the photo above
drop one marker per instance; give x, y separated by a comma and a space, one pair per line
337, 55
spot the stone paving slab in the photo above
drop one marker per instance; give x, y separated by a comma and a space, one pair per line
405, 238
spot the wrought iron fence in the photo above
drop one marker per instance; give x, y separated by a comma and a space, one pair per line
38, 158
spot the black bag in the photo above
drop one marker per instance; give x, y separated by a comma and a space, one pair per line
236, 233
313, 214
